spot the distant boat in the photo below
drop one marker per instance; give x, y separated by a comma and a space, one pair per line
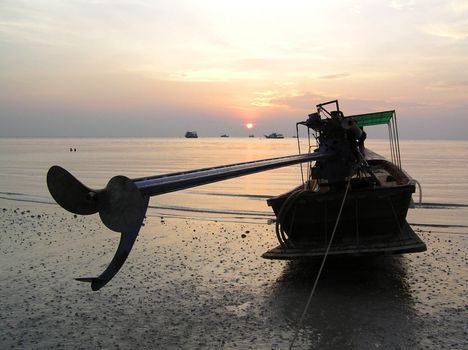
224, 135
275, 135
251, 135
191, 135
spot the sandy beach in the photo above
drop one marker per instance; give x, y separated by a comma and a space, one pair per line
194, 284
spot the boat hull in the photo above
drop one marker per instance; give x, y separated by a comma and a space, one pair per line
373, 221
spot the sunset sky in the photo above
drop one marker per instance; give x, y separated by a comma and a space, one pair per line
160, 68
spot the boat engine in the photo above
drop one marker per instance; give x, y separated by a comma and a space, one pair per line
343, 137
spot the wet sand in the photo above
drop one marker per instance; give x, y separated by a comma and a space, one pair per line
202, 284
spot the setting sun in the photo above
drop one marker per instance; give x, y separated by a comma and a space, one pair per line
249, 125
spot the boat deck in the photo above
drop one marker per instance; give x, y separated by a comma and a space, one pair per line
406, 242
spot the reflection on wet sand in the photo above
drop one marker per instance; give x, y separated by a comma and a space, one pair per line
358, 303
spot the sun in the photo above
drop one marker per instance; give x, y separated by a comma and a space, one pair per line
249, 125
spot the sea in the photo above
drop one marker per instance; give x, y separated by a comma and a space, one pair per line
440, 167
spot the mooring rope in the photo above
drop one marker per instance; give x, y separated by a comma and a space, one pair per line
306, 308
285, 208
420, 191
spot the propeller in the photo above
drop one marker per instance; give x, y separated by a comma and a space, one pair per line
121, 208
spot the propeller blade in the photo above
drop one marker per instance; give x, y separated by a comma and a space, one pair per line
70, 193
127, 239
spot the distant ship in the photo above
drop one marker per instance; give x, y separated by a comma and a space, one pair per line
251, 135
224, 135
275, 135
191, 135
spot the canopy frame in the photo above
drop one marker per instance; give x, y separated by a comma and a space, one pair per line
379, 118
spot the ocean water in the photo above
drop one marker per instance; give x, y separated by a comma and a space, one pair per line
441, 167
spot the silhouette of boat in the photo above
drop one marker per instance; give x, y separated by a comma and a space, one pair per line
191, 135
275, 135
359, 198
351, 201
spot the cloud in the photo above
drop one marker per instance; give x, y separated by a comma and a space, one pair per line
300, 101
447, 20
334, 76
449, 31
458, 6
304, 101
449, 84
34, 29
401, 4
264, 98
215, 75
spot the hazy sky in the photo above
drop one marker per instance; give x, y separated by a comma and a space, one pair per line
159, 68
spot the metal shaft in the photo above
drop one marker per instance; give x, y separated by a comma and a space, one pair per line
155, 185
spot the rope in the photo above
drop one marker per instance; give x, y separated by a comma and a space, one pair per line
306, 308
285, 208
420, 191
299, 148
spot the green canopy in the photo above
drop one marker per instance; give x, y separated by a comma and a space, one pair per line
376, 118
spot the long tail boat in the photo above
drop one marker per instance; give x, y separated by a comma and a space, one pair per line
351, 201
373, 217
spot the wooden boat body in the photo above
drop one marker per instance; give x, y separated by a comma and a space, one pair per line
373, 219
